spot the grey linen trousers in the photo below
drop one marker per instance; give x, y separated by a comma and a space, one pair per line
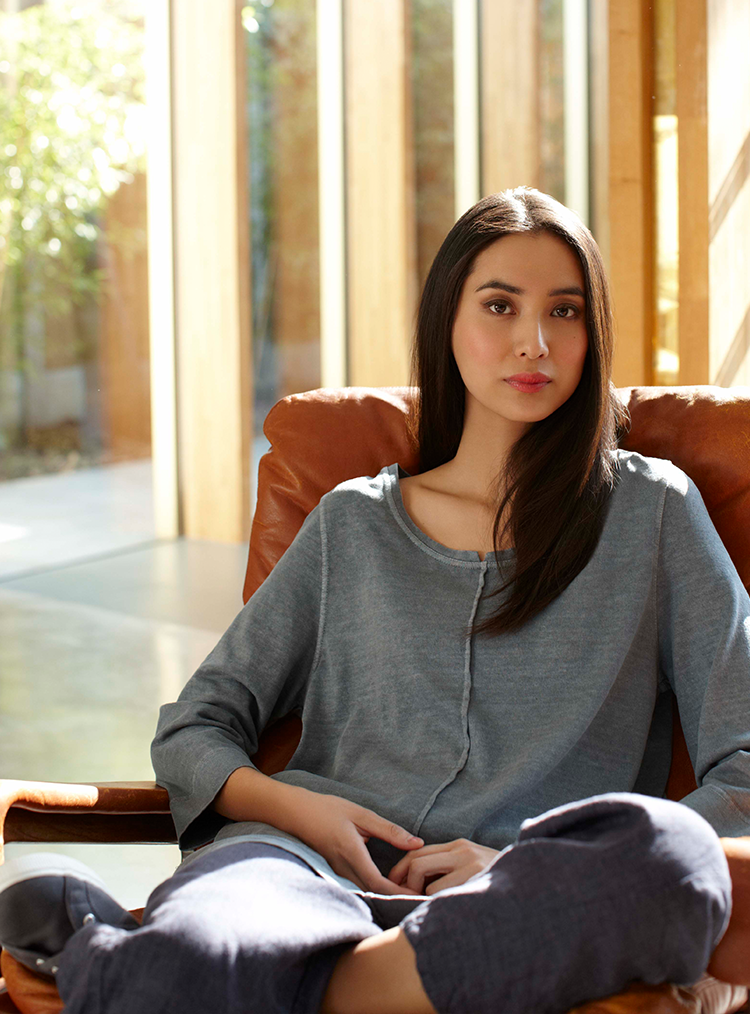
593, 895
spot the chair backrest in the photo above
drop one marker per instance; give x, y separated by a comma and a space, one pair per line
321, 438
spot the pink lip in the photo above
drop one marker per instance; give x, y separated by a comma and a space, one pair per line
528, 382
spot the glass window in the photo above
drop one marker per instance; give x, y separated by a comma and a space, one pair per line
432, 91
74, 356
551, 99
283, 160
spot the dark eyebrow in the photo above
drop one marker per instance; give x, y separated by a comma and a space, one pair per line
571, 290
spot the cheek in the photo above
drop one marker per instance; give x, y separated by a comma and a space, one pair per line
572, 355
472, 349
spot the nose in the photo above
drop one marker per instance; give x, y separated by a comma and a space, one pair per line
530, 339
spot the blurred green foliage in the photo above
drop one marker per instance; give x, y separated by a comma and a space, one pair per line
72, 129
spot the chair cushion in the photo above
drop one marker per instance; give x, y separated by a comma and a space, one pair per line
31, 993
705, 431
319, 439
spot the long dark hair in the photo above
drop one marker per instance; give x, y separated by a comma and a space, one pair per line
559, 475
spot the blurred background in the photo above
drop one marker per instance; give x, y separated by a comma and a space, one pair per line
206, 205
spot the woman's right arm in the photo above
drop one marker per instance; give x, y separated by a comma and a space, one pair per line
335, 827
259, 671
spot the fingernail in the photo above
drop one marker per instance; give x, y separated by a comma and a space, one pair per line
413, 837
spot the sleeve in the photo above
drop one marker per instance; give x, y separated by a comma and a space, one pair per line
256, 673
704, 646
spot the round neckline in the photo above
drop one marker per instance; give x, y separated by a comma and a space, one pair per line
395, 472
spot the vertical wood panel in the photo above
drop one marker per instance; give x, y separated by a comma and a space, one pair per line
212, 270
435, 123
630, 188
600, 128
381, 242
296, 313
124, 338
576, 64
466, 92
510, 94
729, 191
332, 231
161, 298
692, 133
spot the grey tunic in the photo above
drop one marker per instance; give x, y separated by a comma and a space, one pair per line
361, 628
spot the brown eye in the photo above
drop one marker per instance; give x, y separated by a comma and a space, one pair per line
497, 302
567, 317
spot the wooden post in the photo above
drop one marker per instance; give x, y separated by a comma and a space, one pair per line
510, 95
692, 140
124, 337
466, 95
161, 279
728, 145
381, 243
599, 225
630, 189
212, 269
331, 191
296, 276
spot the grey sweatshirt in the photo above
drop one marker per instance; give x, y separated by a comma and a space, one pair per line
360, 628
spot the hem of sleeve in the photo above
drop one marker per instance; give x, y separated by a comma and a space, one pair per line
195, 822
716, 806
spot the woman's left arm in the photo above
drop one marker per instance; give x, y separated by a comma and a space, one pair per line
704, 649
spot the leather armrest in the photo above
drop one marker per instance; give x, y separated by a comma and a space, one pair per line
730, 961
97, 812
639, 998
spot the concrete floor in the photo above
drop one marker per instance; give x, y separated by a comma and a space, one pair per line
100, 623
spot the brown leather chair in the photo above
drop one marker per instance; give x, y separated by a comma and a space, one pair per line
319, 439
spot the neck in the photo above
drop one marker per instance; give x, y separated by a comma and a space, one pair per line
478, 467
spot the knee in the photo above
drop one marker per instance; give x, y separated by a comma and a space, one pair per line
643, 831
655, 840
664, 863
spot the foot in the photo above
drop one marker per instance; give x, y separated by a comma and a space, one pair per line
44, 899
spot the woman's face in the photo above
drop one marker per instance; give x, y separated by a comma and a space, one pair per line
519, 337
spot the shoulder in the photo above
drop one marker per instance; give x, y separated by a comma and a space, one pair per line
643, 475
343, 517
362, 490
656, 472
644, 494
658, 486
362, 497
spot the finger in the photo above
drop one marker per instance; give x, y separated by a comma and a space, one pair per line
368, 875
428, 866
398, 872
369, 823
453, 879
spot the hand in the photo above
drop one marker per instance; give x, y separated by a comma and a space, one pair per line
334, 827
445, 865
338, 829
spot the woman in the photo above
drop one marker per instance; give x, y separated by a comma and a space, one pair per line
482, 655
